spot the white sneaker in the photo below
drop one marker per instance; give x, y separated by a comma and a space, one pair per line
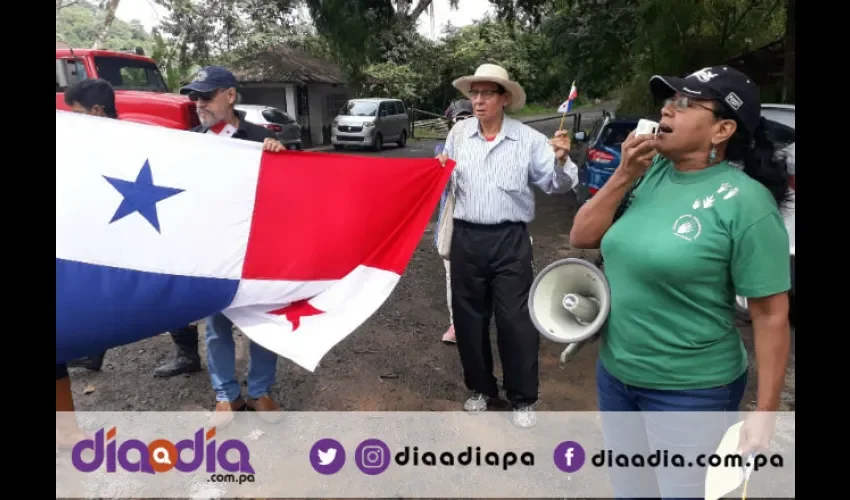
477, 402
525, 417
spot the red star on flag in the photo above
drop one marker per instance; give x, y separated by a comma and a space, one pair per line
295, 311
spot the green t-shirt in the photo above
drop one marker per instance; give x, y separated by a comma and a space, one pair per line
688, 243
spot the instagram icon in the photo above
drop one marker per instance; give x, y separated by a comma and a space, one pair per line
372, 456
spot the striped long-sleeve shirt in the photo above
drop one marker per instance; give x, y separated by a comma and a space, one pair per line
493, 178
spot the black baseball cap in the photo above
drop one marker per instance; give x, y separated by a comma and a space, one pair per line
211, 78
725, 84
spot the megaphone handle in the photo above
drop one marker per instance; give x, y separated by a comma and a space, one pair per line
568, 352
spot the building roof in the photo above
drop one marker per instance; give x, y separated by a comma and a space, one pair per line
285, 65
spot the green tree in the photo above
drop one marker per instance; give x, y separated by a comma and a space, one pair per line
79, 25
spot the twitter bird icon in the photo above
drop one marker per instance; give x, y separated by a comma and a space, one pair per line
327, 456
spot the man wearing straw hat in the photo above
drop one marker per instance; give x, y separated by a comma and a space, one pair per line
497, 160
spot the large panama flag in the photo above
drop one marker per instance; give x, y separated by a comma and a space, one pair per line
156, 228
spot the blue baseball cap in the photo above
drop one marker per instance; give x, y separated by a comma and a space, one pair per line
211, 78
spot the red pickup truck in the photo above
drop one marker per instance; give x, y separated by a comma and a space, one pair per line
141, 94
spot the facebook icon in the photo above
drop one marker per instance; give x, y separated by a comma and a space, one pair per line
569, 456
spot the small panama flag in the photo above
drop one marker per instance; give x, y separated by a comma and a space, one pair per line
567, 105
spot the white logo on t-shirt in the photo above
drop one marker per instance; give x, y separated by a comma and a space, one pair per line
709, 200
687, 227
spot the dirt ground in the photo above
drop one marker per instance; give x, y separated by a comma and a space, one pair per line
394, 362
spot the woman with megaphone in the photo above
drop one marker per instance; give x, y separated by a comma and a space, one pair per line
690, 219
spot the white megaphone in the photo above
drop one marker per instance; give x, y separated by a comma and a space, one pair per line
569, 302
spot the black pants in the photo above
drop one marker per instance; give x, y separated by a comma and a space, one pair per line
186, 338
491, 274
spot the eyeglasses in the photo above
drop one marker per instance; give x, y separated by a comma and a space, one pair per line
203, 96
486, 94
682, 103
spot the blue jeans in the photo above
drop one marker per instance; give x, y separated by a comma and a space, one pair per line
221, 362
642, 435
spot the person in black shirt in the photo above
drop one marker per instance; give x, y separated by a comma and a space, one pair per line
95, 98
215, 92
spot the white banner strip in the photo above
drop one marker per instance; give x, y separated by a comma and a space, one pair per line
420, 455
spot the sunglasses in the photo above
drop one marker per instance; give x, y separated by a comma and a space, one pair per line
203, 96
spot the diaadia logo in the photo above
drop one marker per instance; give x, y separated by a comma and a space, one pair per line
161, 455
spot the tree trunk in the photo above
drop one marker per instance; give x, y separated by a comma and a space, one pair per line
790, 76
111, 7
419, 9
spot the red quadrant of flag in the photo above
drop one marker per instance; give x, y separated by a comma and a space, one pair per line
318, 216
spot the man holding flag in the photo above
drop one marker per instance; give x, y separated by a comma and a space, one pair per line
214, 91
498, 160
293, 248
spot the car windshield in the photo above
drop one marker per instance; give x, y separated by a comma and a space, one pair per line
130, 74
615, 133
359, 108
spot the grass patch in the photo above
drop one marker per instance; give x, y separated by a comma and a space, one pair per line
428, 133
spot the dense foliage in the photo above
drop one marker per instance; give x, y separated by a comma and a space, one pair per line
609, 47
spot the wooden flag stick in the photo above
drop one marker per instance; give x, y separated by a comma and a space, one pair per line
561, 126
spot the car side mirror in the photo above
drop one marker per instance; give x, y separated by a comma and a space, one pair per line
384, 113
580, 136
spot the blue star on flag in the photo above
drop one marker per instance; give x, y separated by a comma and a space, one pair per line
141, 196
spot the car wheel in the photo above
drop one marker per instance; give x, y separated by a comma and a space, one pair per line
403, 139
379, 143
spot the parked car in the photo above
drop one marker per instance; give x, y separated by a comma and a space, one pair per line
370, 122
598, 160
285, 128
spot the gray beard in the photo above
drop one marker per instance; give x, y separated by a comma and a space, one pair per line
208, 120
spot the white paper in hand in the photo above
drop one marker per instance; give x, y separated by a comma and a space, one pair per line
720, 481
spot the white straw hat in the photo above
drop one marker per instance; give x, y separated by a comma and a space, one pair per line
495, 74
